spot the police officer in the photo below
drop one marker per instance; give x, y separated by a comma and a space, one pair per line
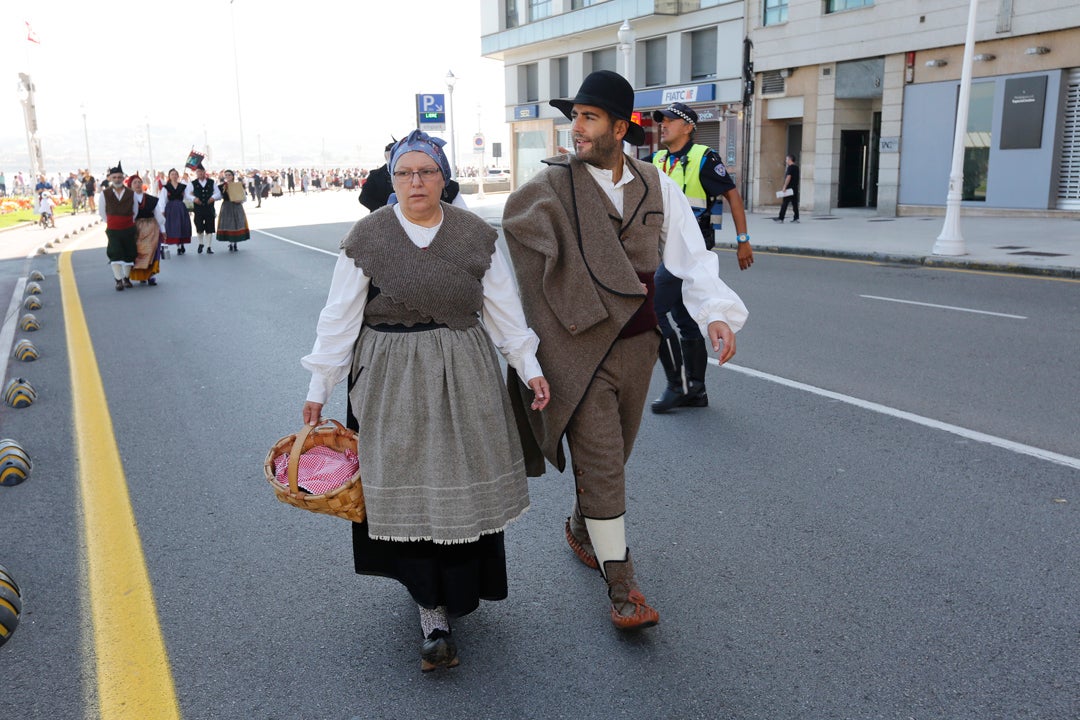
698, 170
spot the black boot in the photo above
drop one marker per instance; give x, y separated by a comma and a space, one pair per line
696, 359
671, 358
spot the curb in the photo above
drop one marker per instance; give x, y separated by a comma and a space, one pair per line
923, 260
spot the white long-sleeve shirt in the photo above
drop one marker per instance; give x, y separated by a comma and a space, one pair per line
217, 191
341, 318
188, 195
707, 298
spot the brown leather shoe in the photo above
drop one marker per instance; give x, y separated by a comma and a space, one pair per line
438, 651
629, 609
577, 537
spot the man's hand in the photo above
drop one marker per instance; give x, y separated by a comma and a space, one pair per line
541, 392
720, 334
745, 254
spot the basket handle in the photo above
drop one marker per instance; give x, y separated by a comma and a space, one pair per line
297, 448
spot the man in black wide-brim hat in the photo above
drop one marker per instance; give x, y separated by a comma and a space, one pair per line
586, 235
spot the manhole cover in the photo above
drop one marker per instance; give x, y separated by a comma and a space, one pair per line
1010, 247
1036, 253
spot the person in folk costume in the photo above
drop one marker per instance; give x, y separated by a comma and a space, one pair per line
204, 193
232, 221
149, 229
177, 223
429, 292
116, 206
586, 235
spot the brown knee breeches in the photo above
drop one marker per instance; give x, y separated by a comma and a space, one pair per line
602, 430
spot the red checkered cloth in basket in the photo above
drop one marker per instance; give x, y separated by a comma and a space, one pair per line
321, 469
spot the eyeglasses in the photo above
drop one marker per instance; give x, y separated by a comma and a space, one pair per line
428, 174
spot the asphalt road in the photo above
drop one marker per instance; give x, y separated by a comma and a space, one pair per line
810, 558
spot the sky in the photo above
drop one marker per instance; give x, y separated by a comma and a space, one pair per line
319, 81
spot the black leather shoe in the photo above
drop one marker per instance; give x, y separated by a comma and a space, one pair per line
778, 219
120, 285
669, 400
438, 651
697, 397
127, 282
209, 250
200, 249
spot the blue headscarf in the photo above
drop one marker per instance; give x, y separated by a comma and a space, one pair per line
420, 141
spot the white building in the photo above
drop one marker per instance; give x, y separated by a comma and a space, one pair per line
686, 50
864, 93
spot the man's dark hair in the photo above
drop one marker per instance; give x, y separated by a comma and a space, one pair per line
792, 158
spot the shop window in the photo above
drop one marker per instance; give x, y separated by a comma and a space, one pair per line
703, 54
775, 12
655, 61
977, 141
832, 6
578, 4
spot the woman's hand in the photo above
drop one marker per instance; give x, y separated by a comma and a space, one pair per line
312, 413
541, 392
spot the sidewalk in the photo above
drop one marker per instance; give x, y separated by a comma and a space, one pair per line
26, 239
1032, 246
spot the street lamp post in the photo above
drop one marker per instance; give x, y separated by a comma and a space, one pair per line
451, 79
86, 137
951, 240
236, 72
626, 42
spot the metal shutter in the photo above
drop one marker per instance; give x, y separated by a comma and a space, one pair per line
1069, 169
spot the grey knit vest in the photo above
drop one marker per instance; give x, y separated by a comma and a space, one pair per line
441, 283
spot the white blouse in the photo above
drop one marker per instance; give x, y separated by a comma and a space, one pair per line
342, 317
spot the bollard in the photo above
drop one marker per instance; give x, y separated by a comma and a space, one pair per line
29, 323
15, 465
32, 288
10, 605
25, 351
32, 303
37, 275
19, 393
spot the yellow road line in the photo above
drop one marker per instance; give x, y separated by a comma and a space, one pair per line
134, 679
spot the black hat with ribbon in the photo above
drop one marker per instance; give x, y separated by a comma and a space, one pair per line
610, 91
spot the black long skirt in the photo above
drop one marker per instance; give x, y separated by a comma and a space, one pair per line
456, 576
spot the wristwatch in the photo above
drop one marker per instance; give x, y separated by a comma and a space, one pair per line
743, 237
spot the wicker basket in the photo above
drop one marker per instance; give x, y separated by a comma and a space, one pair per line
346, 501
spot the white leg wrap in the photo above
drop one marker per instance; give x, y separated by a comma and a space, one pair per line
117, 270
608, 539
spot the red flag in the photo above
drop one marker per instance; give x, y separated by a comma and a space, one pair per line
31, 35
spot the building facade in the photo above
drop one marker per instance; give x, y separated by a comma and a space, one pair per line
864, 93
690, 51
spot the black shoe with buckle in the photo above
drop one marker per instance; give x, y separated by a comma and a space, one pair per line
120, 285
127, 282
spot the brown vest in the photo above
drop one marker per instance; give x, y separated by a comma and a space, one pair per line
580, 269
119, 213
411, 286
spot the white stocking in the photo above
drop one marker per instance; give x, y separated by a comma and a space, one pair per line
608, 539
117, 270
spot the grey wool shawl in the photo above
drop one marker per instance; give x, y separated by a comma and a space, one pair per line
577, 263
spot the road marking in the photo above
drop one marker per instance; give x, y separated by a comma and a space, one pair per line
134, 679
298, 244
944, 307
966, 433
7, 333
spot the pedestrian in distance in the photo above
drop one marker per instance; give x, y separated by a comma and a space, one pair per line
703, 179
791, 182
150, 224
204, 193
232, 223
432, 297
586, 235
177, 195
116, 206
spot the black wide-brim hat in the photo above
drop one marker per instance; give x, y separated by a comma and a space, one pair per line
610, 91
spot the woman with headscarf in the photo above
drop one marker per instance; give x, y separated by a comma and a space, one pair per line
232, 220
177, 223
426, 288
